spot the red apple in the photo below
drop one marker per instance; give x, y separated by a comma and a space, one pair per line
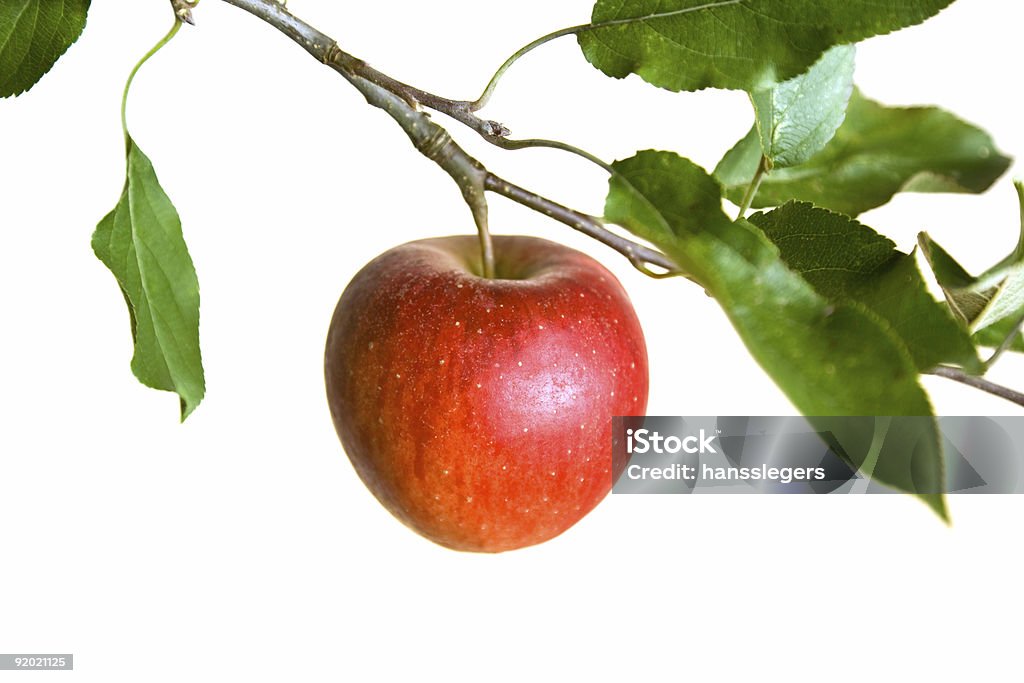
479, 411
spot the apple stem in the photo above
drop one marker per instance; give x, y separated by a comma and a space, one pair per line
478, 206
402, 102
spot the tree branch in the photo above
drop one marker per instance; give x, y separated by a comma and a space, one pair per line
401, 102
985, 385
640, 256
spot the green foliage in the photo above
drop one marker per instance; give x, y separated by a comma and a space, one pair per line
877, 152
996, 296
141, 242
735, 44
994, 336
847, 261
796, 119
33, 36
830, 357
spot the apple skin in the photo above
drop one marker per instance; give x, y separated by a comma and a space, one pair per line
478, 411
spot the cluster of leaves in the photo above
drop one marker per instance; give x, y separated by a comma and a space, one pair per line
840, 318
833, 312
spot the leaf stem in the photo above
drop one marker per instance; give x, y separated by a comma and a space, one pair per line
131, 77
755, 185
481, 102
506, 143
958, 375
1007, 343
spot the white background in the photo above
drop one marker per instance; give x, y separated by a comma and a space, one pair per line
242, 546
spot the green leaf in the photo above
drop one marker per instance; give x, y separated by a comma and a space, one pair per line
141, 242
735, 44
847, 261
994, 336
877, 152
829, 357
796, 119
33, 36
995, 296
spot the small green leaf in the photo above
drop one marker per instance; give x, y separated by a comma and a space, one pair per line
994, 336
796, 119
829, 357
735, 44
847, 261
877, 152
141, 242
33, 36
995, 296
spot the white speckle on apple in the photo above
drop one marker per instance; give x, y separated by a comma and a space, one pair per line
445, 472
437, 497
570, 451
582, 479
552, 473
593, 351
520, 363
479, 330
525, 429
632, 366
457, 323
540, 327
504, 468
478, 385
469, 499
613, 394
441, 362
398, 376
370, 346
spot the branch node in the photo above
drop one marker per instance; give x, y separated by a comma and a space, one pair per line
183, 10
